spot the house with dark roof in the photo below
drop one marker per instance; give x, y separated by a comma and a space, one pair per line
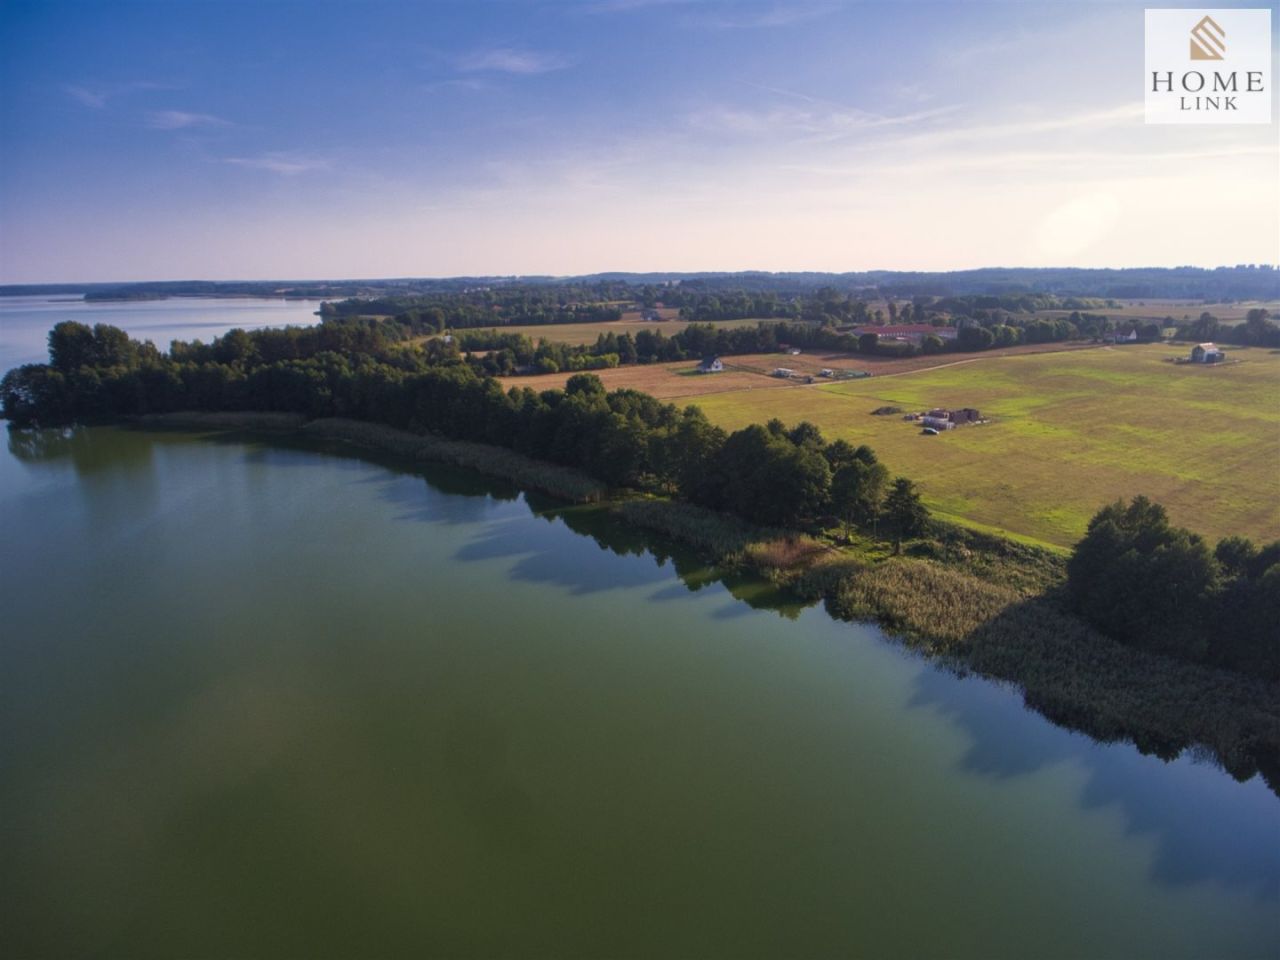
941, 419
1206, 353
710, 365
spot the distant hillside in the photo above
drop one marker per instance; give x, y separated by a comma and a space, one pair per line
1187, 283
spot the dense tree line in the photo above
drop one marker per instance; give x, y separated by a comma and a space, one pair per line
511, 352
1146, 582
1242, 282
490, 306
768, 474
826, 306
981, 321
1257, 330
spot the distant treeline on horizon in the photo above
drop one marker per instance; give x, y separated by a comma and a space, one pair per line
1242, 282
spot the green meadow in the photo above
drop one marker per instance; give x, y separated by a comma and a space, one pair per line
586, 333
1069, 432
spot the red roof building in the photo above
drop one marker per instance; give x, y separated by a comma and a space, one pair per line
914, 332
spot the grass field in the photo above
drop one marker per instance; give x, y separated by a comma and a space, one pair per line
676, 382
1180, 310
579, 333
1070, 432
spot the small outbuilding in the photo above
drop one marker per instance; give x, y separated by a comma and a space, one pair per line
941, 419
710, 365
1206, 353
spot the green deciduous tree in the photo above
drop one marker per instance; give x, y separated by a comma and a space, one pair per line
1144, 581
903, 513
857, 490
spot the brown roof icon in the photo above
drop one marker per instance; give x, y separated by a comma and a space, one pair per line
1208, 40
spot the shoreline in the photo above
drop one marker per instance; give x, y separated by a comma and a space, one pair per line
973, 603
553, 479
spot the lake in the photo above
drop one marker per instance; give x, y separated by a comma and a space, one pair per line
263, 699
25, 322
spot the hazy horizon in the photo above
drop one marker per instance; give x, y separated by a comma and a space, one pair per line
152, 141
340, 278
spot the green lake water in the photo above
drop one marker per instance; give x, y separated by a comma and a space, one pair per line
261, 700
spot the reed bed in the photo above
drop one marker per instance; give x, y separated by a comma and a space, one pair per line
723, 537
783, 559
1066, 670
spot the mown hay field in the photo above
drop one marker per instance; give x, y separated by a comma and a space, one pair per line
676, 382
1070, 431
1180, 310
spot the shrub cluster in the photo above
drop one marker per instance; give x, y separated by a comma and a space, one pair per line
1150, 584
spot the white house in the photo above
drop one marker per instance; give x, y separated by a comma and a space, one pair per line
710, 365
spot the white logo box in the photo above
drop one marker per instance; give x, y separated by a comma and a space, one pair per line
1214, 71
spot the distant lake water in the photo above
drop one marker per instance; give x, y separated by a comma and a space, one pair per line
25, 321
272, 700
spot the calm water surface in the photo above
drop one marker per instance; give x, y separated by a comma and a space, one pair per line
25, 321
265, 701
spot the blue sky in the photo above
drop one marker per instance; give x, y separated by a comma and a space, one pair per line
360, 139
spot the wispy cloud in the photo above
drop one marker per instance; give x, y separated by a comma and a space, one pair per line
89, 97
284, 164
911, 92
994, 46
625, 6
472, 84
98, 95
1129, 114
816, 122
755, 17
511, 60
181, 120
1065, 148
725, 14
